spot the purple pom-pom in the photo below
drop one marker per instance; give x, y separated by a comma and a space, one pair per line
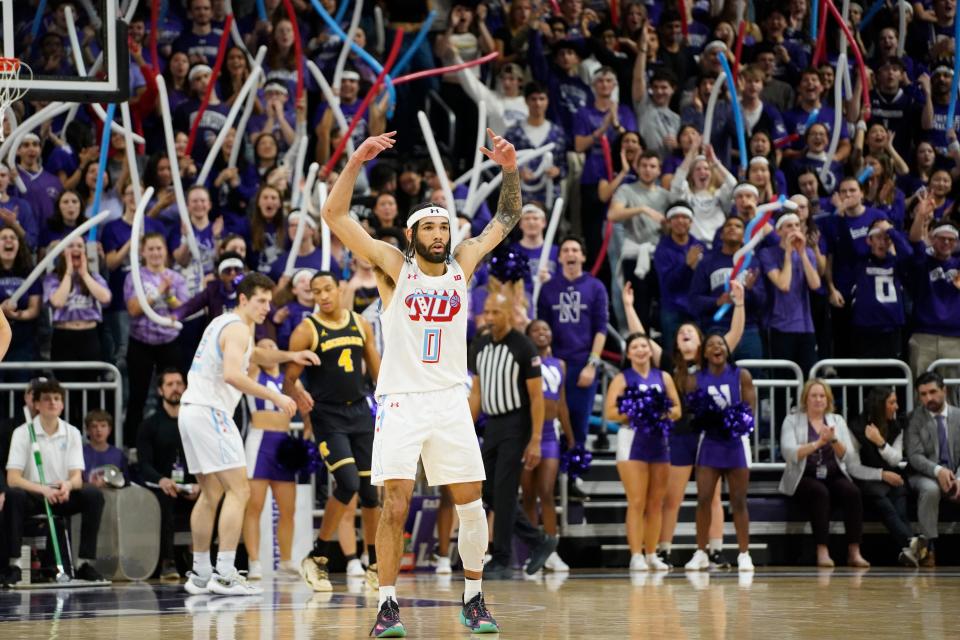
704, 413
738, 420
509, 266
647, 409
575, 462
296, 455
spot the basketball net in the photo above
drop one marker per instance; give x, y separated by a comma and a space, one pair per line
9, 93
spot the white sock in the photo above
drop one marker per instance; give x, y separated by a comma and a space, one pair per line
225, 566
470, 589
201, 564
387, 592
666, 547
716, 544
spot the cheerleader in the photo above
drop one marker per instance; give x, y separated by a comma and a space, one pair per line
268, 429
540, 482
643, 460
721, 454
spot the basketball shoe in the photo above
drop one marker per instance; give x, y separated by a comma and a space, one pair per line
232, 584
474, 616
388, 623
315, 573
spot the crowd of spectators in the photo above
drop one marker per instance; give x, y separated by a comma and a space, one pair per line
867, 267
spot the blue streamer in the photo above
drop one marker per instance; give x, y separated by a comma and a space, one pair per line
102, 167
737, 117
37, 21
341, 11
814, 20
952, 109
262, 10
409, 53
747, 259
871, 14
865, 174
360, 51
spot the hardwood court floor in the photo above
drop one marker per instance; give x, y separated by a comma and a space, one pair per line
778, 604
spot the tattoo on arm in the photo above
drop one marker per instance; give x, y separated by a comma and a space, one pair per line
510, 203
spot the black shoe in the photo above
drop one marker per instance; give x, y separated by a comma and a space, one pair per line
602, 442
497, 571
540, 553
475, 616
665, 556
10, 576
575, 493
717, 561
88, 573
388, 623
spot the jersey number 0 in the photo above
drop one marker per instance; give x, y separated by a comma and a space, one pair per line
431, 346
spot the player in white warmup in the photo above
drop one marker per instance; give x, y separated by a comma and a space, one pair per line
421, 391
211, 441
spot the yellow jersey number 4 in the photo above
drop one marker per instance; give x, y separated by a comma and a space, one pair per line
345, 361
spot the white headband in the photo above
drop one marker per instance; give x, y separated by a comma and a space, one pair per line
679, 210
946, 229
230, 262
746, 186
301, 273
759, 160
200, 68
428, 212
350, 75
30, 136
876, 231
785, 218
296, 215
532, 208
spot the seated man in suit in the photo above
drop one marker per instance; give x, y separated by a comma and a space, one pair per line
933, 450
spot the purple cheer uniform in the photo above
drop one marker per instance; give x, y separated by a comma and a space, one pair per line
551, 370
635, 445
718, 452
262, 445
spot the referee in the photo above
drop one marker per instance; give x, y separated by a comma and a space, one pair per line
507, 387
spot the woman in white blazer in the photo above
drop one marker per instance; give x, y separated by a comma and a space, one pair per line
818, 450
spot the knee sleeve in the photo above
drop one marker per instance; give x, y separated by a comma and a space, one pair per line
347, 483
369, 496
472, 540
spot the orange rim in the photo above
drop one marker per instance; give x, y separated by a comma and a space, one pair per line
9, 64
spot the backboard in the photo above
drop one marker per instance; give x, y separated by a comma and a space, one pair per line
110, 84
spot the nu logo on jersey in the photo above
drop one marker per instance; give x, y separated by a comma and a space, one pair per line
433, 305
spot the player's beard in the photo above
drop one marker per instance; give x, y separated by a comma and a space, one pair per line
424, 252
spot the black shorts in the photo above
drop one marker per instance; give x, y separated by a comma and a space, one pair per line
355, 417
339, 449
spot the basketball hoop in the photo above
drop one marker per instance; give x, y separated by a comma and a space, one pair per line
9, 93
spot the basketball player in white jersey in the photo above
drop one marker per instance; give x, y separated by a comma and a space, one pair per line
421, 391
211, 441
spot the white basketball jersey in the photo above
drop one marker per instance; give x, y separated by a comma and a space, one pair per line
205, 384
425, 332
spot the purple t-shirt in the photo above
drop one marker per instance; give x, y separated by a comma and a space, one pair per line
199, 45
62, 158
142, 328
42, 191
588, 120
533, 259
297, 313
310, 261
790, 310
936, 301
80, 307
576, 311
847, 241
115, 235
25, 216
673, 273
93, 459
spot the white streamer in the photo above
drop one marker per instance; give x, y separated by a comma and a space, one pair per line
523, 157
378, 30
241, 129
441, 176
333, 102
9, 146
547, 245
345, 49
299, 158
248, 86
902, 28
175, 171
477, 156
52, 255
325, 238
712, 104
302, 224
135, 276
837, 122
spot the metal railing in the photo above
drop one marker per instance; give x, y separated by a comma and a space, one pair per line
767, 409
844, 384
950, 379
113, 384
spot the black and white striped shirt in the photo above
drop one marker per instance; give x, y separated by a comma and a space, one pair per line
503, 369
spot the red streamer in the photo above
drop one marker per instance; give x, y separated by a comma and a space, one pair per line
297, 48
608, 228
556, 7
154, 27
861, 65
410, 77
615, 13
221, 54
374, 90
738, 52
821, 48
682, 8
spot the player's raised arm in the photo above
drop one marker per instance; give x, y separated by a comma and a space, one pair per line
470, 252
336, 210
